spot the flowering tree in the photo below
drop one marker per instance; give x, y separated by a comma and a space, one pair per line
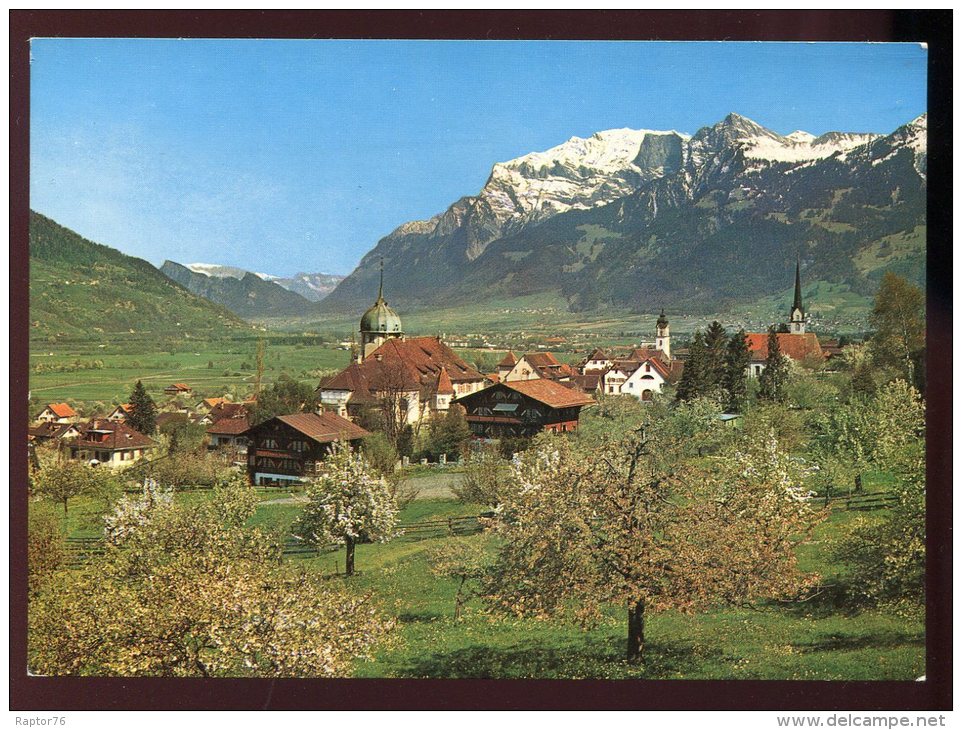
463, 560
642, 524
187, 590
348, 502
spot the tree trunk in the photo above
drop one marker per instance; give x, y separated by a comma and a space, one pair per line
349, 557
459, 599
636, 632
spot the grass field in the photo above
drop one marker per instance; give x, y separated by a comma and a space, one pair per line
813, 640
212, 369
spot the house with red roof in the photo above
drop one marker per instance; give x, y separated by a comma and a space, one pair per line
535, 365
290, 449
57, 413
524, 408
227, 431
178, 389
121, 413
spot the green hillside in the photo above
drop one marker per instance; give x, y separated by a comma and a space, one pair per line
83, 289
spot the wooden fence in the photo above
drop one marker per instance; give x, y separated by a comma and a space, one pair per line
81, 549
863, 501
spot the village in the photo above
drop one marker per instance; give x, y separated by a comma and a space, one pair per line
409, 381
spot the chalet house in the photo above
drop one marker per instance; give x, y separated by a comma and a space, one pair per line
178, 389
111, 443
288, 449
523, 408
57, 413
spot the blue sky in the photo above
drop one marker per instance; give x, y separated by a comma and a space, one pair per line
285, 156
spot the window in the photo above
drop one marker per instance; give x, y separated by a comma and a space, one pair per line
631, 385
270, 443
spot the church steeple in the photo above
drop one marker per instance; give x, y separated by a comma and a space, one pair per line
663, 334
797, 315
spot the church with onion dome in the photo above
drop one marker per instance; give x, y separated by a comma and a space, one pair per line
378, 324
416, 376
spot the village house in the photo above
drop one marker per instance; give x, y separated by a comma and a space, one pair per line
416, 377
208, 404
110, 443
533, 365
51, 432
178, 389
57, 413
523, 408
289, 449
641, 373
227, 431
121, 413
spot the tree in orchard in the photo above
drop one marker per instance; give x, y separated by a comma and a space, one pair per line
188, 590
644, 524
348, 502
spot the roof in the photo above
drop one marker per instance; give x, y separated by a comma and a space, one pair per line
322, 427
120, 436
795, 346
227, 410
62, 410
493, 377
444, 386
598, 354
411, 364
229, 426
47, 430
211, 402
589, 382
508, 361
643, 353
178, 386
544, 391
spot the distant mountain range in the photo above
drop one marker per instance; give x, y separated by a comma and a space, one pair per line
250, 294
313, 287
643, 219
81, 288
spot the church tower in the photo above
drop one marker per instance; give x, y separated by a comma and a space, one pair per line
378, 323
663, 335
796, 323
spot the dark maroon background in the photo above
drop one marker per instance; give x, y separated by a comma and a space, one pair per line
933, 27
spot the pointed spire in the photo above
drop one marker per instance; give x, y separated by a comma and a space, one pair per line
380, 286
798, 287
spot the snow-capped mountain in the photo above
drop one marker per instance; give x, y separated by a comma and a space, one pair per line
313, 287
243, 292
623, 212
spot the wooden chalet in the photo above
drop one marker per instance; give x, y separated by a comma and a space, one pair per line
288, 449
523, 408
178, 389
52, 432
